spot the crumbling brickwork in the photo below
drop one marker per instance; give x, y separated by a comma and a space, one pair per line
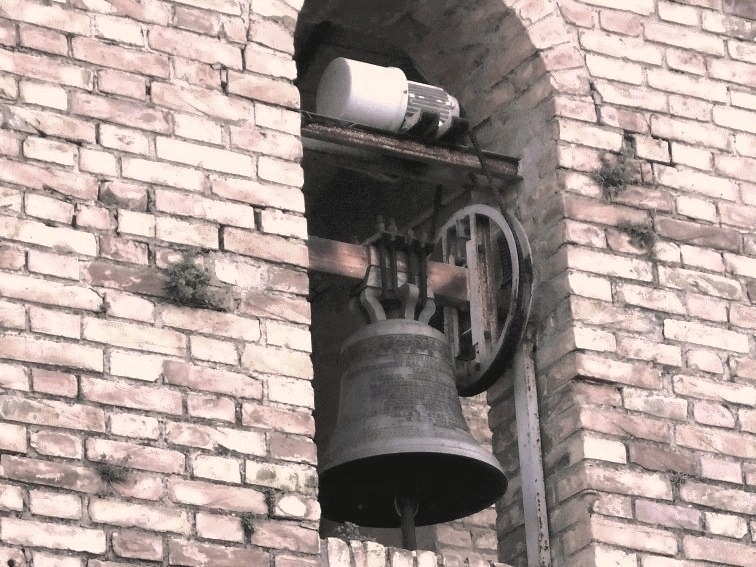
137, 133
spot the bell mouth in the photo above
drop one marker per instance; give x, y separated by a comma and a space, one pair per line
447, 487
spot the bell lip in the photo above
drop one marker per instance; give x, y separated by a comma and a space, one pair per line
419, 446
395, 327
330, 480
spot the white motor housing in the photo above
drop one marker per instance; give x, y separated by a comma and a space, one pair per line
380, 97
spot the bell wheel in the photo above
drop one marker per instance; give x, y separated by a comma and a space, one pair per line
485, 333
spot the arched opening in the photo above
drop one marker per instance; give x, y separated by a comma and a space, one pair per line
486, 58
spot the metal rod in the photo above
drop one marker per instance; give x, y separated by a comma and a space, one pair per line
407, 510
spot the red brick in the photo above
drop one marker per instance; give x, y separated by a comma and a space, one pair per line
209, 495
54, 536
136, 280
126, 394
192, 100
213, 438
46, 69
272, 33
119, 111
297, 449
224, 469
54, 264
699, 282
639, 537
11, 258
163, 174
135, 456
705, 335
714, 390
666, 515
42, 39
698, 234
48, 208
196, 128
52, 413
129, 306
199, 554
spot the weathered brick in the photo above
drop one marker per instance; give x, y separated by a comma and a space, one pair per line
44, 94
42, 39
118, 29
716, 441
211, 407
212, 380
714, 390
56, 383
125, 278
58, 475
122, 112
126, 394
639, 537
123, 250
137, 545
95, 161
720, 469
196, 233
79, 185
257, 193
278, 171
120, 83
195, 46
700, 282
48, 208
285, 535
214, 438
708, 413
32, 349
199, 554
192, 100
223, 469
51, 322
46, 69
55, 504
131, 425
58, 444
52, 413
135, 456
107, 55
11, 497
667, 515
54, 536
269, 360
153, 518
265, 247
273, 221
205, 156
213, 526
124, 139
130, 335
705, 335
201, 129
218, 496
234, 214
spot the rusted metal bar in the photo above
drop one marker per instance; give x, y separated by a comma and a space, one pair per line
458, 157
448, 282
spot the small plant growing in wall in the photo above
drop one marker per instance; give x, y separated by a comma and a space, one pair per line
188, 283
618, 172
111, 472
641, 235
248, 525
349, 531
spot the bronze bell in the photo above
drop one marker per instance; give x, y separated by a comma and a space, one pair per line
400, 432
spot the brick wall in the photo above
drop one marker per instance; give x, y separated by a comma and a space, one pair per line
135, 431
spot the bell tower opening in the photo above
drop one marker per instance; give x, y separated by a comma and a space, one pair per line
348, 189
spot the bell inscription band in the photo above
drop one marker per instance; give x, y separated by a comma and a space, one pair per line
401, 453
